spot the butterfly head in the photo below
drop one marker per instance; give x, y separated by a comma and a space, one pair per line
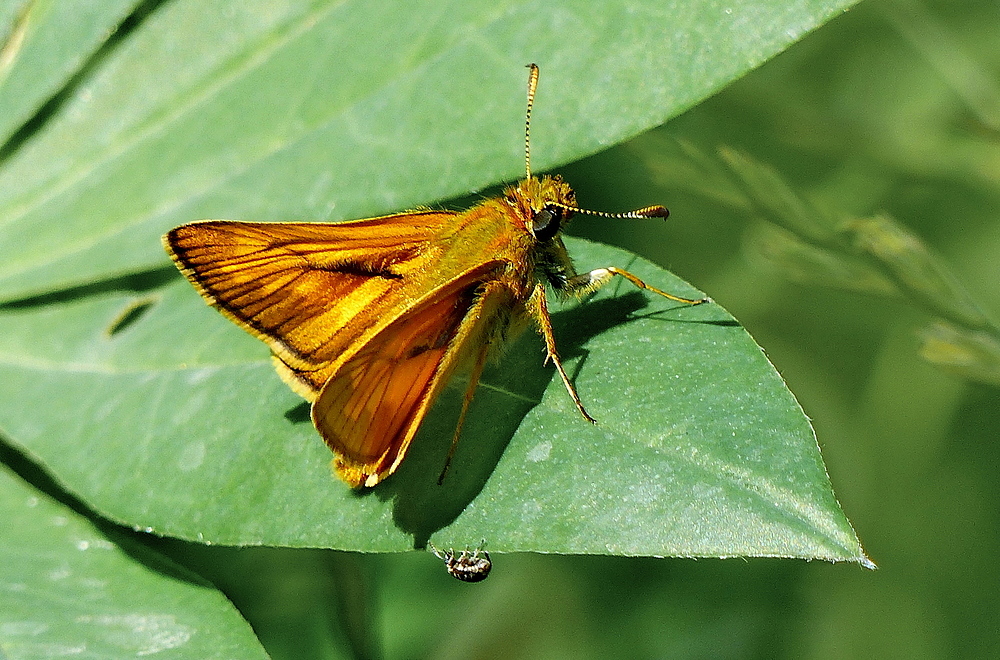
546, 204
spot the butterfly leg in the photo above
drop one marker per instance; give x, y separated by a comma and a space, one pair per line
585, 283
539, 309
470, 390
475, 331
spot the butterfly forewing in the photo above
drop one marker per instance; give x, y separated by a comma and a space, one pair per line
301, 286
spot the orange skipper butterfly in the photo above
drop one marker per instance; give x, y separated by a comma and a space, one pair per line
369, 319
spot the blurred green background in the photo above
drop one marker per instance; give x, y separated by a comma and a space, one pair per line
892, 107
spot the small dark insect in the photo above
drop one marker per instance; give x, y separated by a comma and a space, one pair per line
466, 566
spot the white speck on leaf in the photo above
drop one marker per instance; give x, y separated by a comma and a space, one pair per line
17, 628
540, 452
145, 634
192, 456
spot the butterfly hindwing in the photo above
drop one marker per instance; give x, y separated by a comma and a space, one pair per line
370, 409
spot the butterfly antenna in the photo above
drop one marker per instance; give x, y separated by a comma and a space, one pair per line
532, 85
655, 211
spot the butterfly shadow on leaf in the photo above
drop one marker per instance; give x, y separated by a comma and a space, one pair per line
510, 388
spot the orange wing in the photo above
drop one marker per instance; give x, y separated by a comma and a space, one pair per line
358, 320
372, 406
302, 287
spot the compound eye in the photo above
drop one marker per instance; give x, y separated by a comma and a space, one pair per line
546, 222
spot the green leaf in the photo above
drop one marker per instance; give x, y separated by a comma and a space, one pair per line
177, 423
68, 587
162, 415
328, 110
47, 42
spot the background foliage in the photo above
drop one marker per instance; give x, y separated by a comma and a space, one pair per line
890, 109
